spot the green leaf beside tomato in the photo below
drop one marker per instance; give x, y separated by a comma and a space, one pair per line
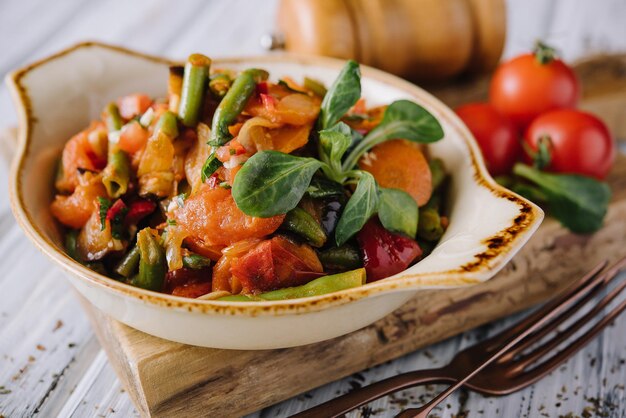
578, 202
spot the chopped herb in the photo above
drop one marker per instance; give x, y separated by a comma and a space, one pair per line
171, 222
210, 166
225, 185
105, 205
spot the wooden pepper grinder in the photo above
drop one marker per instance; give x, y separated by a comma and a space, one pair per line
422, 40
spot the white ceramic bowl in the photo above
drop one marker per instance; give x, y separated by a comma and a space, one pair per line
58, 96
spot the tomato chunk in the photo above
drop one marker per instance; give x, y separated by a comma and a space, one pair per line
274, 264
212, 216
385, 253
133, 137
134, 105
188, 282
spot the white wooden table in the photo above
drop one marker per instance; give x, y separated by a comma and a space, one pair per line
50, 361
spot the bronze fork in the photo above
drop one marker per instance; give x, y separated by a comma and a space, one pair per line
502, 364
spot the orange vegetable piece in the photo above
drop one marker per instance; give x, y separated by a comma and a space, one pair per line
213, 216
192, 290
294, 109
400, 164
77, 154
133, 137
75, 210
289, 138
276, 263
213, 252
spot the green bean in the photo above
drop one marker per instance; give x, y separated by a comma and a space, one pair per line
219, 84
315, 86
303, 224
321, 286
194, 86
112, 117
345, 257
116, 175
429, 225
437, 171
152, 262
196, 261
127, 266
233, 104
71, 244
167, 125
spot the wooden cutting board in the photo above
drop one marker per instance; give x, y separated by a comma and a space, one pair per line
167, 379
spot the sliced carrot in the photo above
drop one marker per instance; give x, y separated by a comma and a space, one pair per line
212, 216
400, 164
289, 138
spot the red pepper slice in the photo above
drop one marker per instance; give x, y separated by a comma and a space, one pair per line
385, 253
115, 209
138, 210
262, 88
98, 162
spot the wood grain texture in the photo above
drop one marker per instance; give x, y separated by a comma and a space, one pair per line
165, 378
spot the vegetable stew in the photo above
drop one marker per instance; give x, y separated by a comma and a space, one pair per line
238, 188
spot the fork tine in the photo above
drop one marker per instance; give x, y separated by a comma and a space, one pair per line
537, 336
542, 369
497, 340
551, 345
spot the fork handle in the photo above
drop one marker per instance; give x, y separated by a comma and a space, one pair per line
345, 403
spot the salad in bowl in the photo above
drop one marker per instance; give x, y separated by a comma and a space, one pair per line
251, 203
238, 187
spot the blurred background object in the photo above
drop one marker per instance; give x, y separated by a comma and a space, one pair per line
422, 40
577, 28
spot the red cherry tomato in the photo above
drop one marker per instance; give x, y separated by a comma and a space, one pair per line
385, 253
580, 143
524, 87
495, 134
